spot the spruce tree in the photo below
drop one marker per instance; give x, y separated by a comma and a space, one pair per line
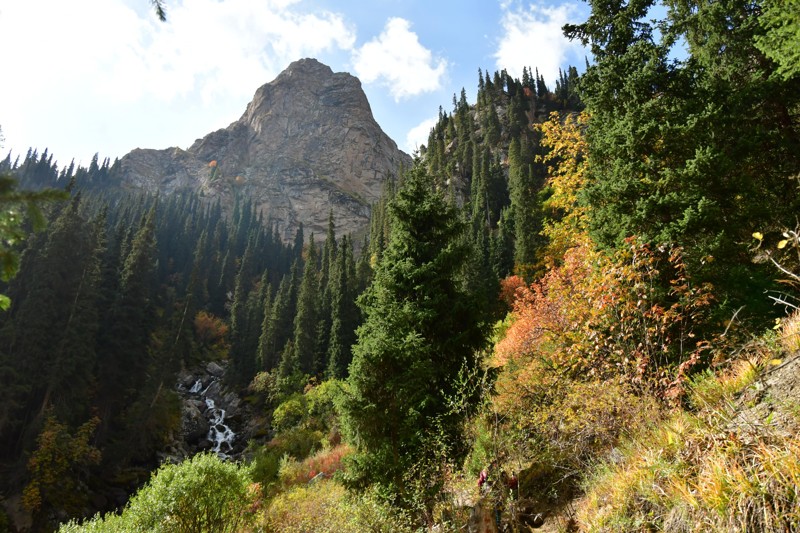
421, 333
52, 334
122, 360
307, 317
343, 312
244, 340
281, 318
262, 352
698, 152
327, 268
520, 208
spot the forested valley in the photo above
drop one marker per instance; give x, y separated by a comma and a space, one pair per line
577, 311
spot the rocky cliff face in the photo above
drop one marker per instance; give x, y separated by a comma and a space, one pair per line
307, 144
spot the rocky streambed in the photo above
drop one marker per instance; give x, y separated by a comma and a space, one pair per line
211, 415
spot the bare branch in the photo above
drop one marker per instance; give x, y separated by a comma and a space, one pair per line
780, 300
784, 270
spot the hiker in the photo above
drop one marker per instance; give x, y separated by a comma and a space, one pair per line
484, 483
482, 478
511, 482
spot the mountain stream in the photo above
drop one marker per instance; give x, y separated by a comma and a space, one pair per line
220, 435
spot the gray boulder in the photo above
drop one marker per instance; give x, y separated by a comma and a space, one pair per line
194, 425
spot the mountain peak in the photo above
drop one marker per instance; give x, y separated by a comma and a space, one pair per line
308, 90
306, 145
307, 66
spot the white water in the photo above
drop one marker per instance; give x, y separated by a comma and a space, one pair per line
220, 434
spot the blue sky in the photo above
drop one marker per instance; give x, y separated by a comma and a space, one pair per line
105, 76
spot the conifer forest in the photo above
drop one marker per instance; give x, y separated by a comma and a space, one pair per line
577, 310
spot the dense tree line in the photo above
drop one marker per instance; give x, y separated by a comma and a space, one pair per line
699, 151
488, 156
120, 291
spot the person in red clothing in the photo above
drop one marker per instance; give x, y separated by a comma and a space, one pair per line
484, 481
511, 483
482, 478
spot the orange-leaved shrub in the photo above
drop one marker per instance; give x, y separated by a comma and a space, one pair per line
209, 329
633, 315
508, 289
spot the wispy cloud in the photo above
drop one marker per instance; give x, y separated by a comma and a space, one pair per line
397, 59
532, 37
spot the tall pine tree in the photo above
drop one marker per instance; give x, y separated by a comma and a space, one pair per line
421, 333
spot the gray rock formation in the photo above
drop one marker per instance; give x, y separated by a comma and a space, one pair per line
307, 144
194, 424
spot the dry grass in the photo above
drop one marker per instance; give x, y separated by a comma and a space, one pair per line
790, 333
706, 469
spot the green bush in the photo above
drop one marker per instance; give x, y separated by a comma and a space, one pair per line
202, 494
321, 402
297, 443
326, 506
264, 465
289, 413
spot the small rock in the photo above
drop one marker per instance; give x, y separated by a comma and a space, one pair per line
199, 404
615, 456
231, 404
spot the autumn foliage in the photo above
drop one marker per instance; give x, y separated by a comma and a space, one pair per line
209, 329
325, 463
567, 166
600, 316
509, 288
595, 346
629, 314
59, 467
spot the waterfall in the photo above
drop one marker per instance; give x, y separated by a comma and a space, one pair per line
220, 435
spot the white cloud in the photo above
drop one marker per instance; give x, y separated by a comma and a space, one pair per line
533, 38
72, 62
218, 47
418, 135
398, 60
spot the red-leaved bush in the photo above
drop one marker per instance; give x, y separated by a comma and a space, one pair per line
631, 315
509, 288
